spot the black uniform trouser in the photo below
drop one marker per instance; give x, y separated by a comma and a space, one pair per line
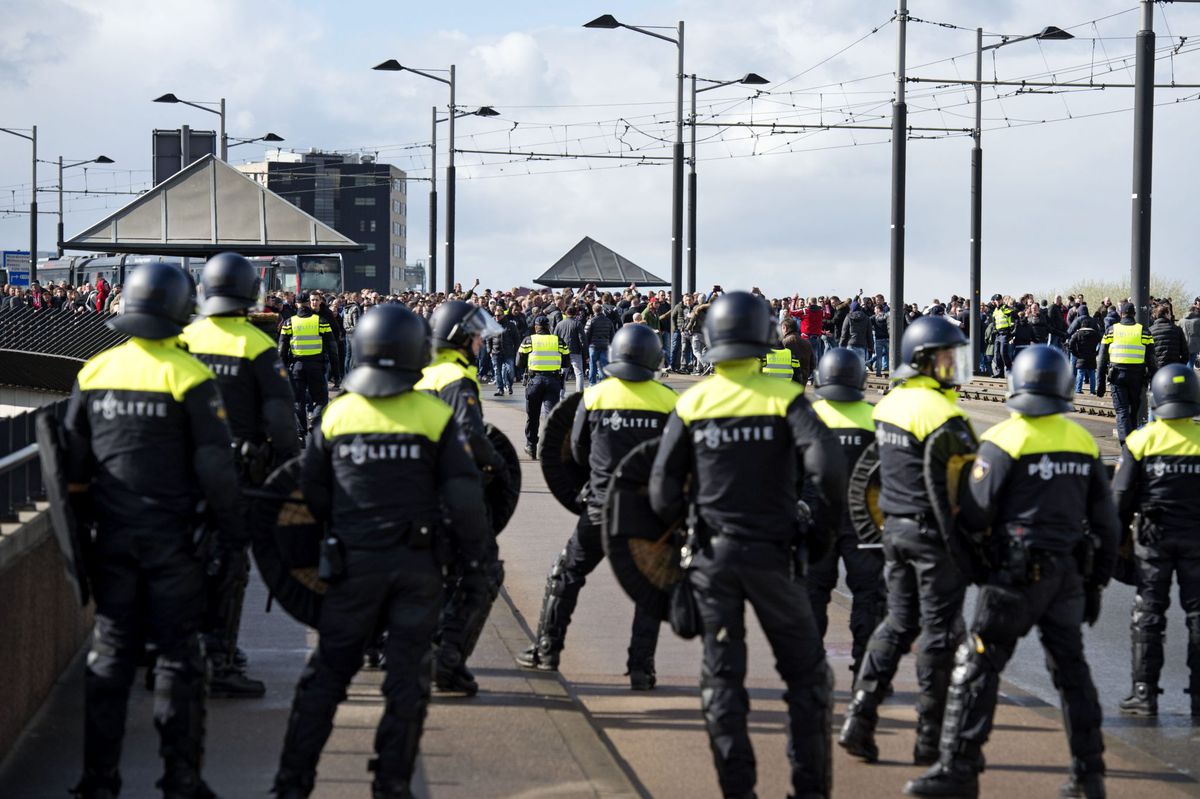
1177, 552
1126, 385
864, 578
149, 587
726, 574
924, 598
541, 394
309, 385
582, 554
225, 592
469, 600
400, 590
1055, 604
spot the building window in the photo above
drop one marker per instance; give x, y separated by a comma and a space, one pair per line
362, 226
396, 229
372, 225
364, 200
398, 185
366, 270
396, 207
396, 250
370, 247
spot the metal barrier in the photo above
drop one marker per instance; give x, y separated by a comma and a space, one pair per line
45, 349
20, 469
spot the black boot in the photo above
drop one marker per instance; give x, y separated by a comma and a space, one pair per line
451, 675
1193, 662
230, 682
1087, 780
291, 785
390, 789
934, 673
182, 781
643, 678
958, 777
1143, 701
536, 657
858, 731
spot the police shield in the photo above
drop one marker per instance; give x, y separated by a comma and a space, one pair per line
643, 551
287, 544
862, 498
948, 457
501, 495
565, 478
73, 538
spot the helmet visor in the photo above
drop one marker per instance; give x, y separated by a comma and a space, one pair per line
952, 366
477, 323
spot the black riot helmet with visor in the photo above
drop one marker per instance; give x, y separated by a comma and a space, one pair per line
455, 323
935, 347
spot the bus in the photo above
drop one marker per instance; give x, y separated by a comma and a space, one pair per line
294, 273
301, 273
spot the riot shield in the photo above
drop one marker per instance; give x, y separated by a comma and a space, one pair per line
287, 544
73, 538
501, 495
643, 551
862, 498
564, 477
943, 482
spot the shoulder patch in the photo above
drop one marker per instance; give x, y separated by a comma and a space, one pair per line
980, 470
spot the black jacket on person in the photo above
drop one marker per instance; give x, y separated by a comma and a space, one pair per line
1084, 344
1170, 345
505, 344
599, 331
856, 331
570, 332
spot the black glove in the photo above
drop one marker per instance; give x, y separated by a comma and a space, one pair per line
1091, 603
84, 508
1100, 388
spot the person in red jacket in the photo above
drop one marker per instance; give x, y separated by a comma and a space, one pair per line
811, 327
102, 292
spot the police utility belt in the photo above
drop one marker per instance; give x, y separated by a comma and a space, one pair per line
1017, 562
414, 535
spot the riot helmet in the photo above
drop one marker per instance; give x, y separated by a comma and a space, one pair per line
841, 375
738, 325
391, 347
229, 283
1040, 382
1175, 392
157, 300
634, 353
935, 347
454, 323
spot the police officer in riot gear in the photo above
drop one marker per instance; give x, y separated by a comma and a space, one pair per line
781, 363
544, 355
840, 380
147, 440
1126, 362
1158, 477
918, 425
1003, 322
1037, 478
459, 330
258, 398
716, 440
614, 416
308, 349
381, 464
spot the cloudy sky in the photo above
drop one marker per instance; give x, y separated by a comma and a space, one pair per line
784, 210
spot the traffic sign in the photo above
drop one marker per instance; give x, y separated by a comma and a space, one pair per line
16, 265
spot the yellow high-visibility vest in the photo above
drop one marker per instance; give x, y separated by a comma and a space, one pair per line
545, 355
1127, 347
1002, 318
306, 335
780, 363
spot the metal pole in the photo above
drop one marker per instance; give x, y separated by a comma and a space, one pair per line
224, 138
677, 185
60, 207
974, 325
450, 196
431, 277
691, 210
1143, 152
33, 212
899, 155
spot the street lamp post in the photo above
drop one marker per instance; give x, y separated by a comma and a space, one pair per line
33, 211
204, 106
975, 330
749, 79
392, 65
271, 137
102, 159
899, 159
609, 22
